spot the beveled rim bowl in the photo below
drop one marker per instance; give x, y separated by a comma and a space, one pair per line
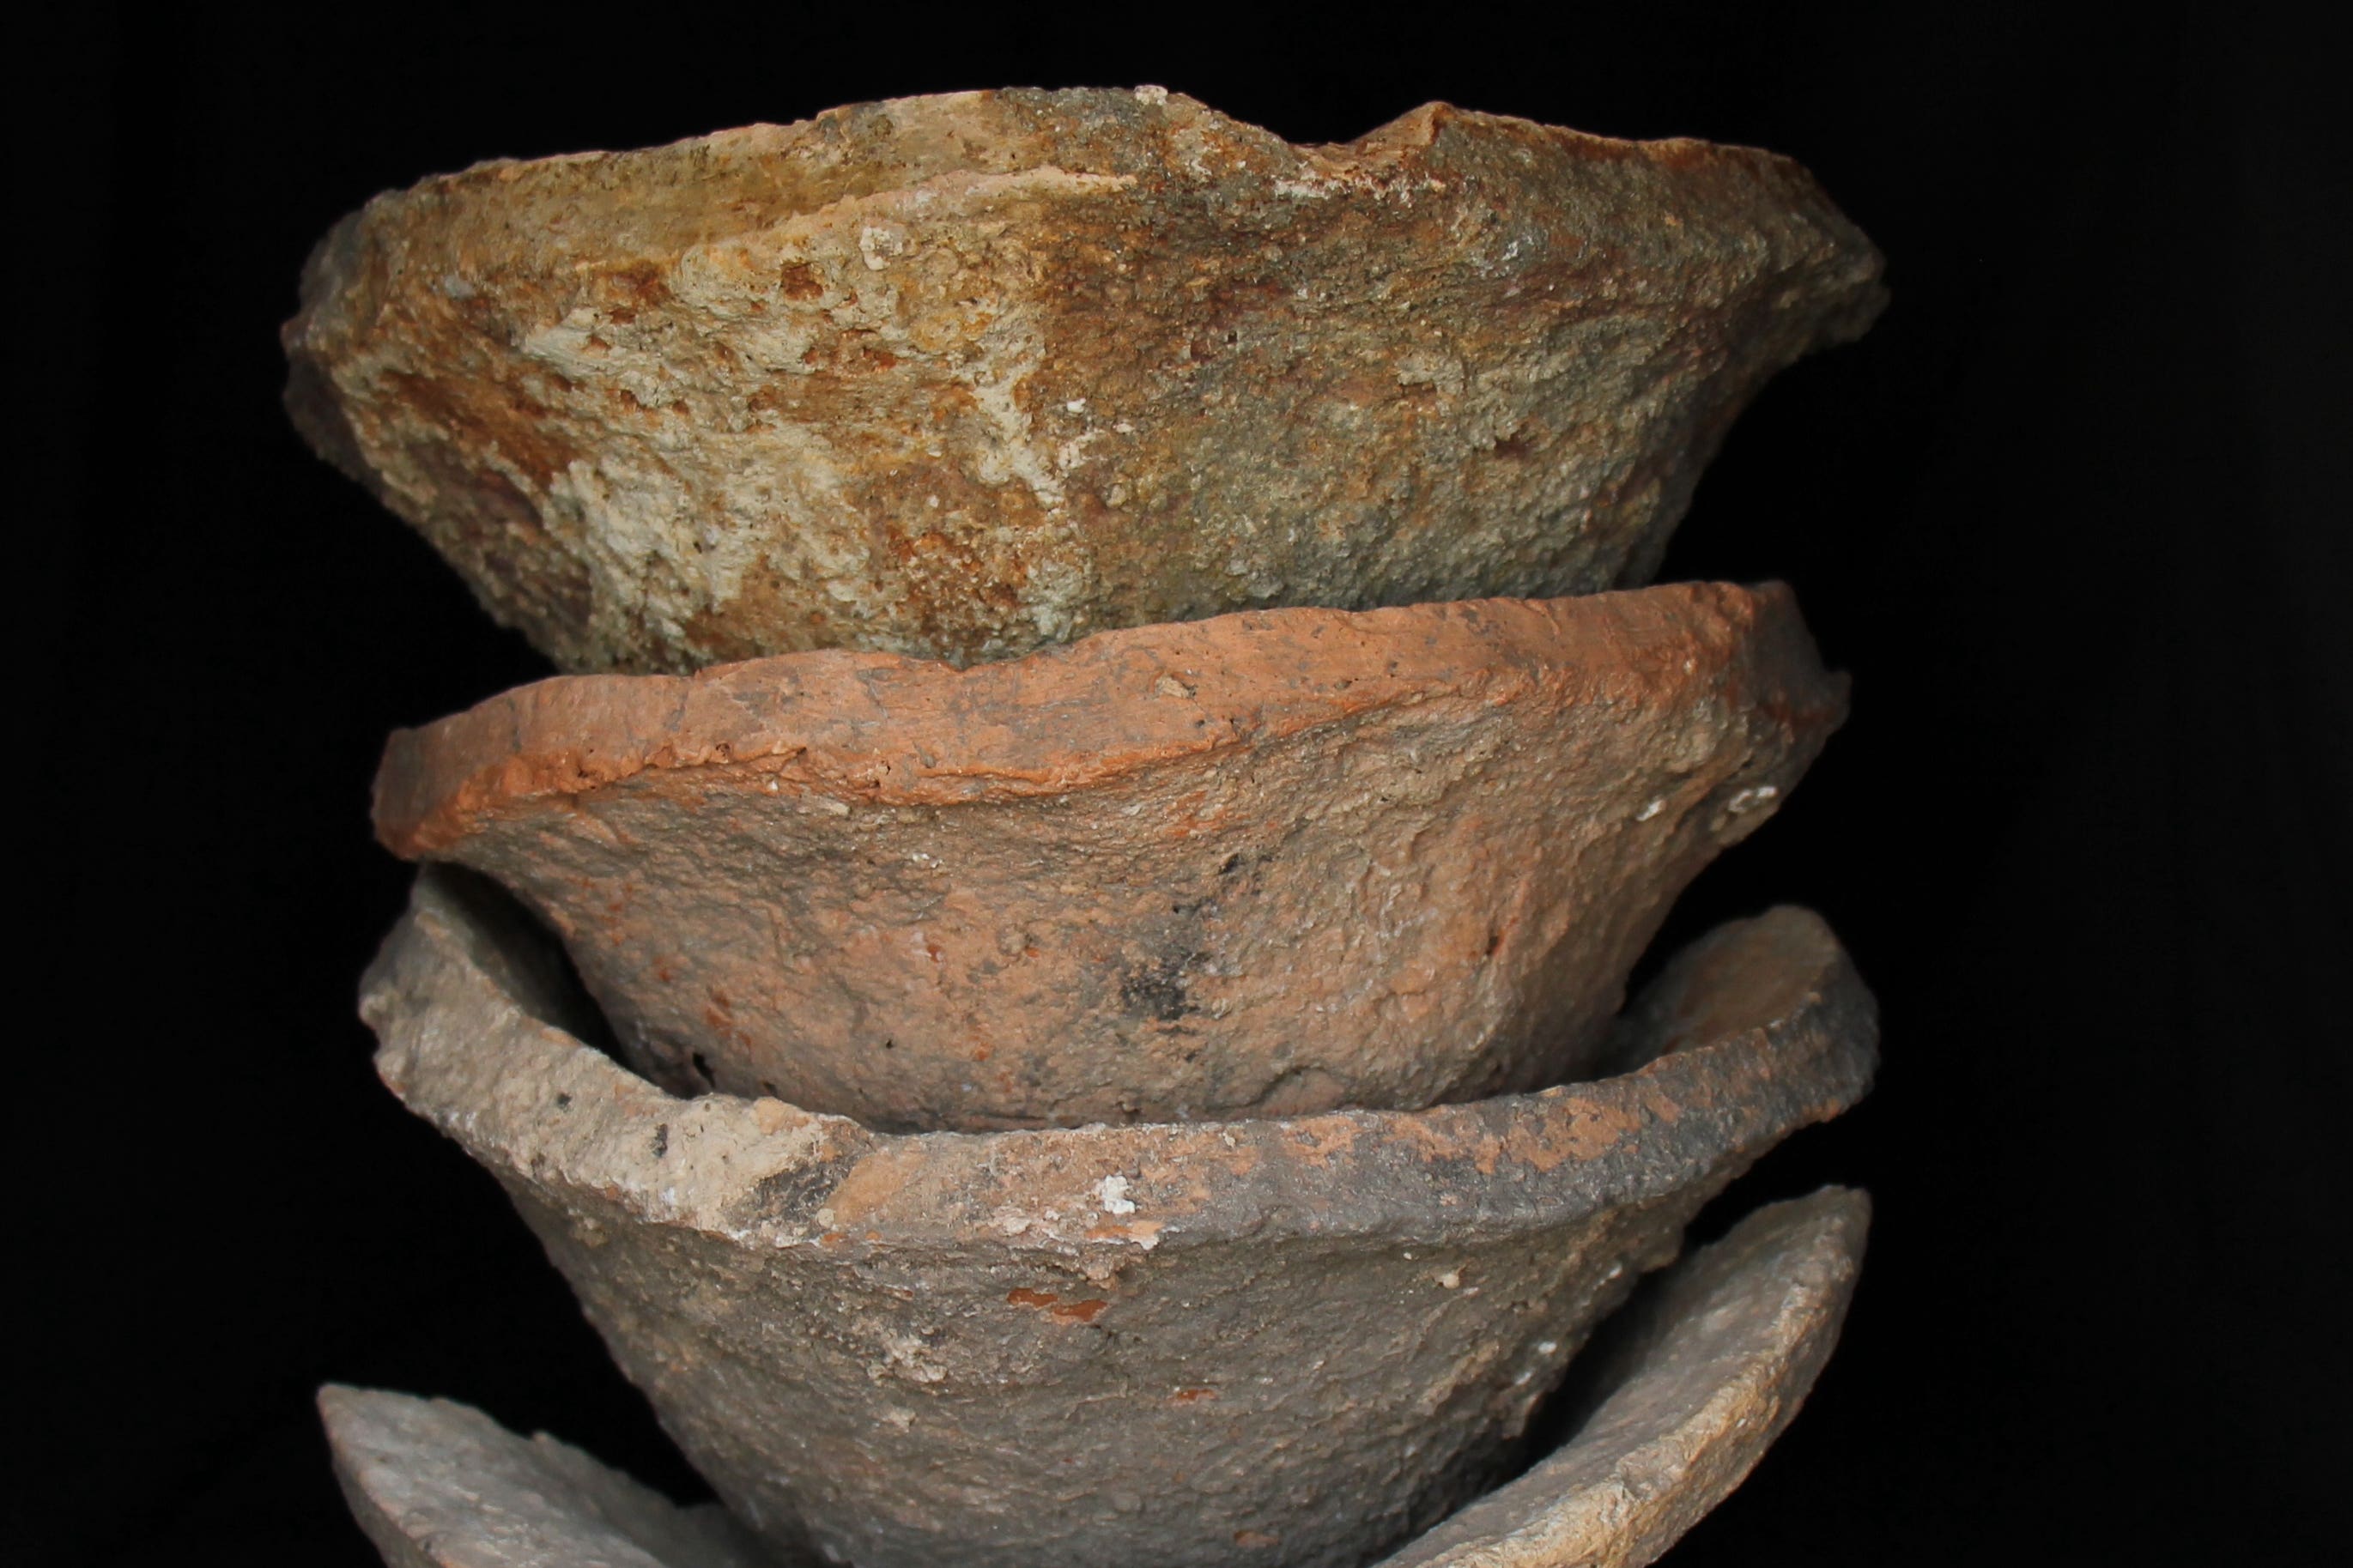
889, 1345
1267, 864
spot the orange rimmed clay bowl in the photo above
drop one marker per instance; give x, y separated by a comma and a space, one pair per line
1261, 865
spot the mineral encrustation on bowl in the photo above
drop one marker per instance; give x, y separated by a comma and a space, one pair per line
961, 377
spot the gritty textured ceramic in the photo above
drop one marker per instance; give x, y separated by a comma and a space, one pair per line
961, 377
1719, 1354
1268, 864
1293, 1342
435, 1484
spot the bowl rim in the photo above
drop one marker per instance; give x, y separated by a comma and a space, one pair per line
890, 730
1374, 162
1757, 1029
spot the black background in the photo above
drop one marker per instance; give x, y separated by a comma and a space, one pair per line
2075, 514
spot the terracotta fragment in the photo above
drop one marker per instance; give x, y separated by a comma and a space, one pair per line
1272, 1342
960, 377
436, 1484
1272, 863
1729, 1343
1724, 1349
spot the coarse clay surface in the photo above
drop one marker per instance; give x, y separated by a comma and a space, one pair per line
960, 377
1723, 1349
436, 1484
1267, 864
1295, 1342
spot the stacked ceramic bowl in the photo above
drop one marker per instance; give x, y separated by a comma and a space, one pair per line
1056, 979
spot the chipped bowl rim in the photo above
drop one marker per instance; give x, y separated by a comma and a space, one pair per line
1713, 1077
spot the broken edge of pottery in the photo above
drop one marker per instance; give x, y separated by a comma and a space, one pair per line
1721, 1351
896, 1347
436, 1484
1269, 864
